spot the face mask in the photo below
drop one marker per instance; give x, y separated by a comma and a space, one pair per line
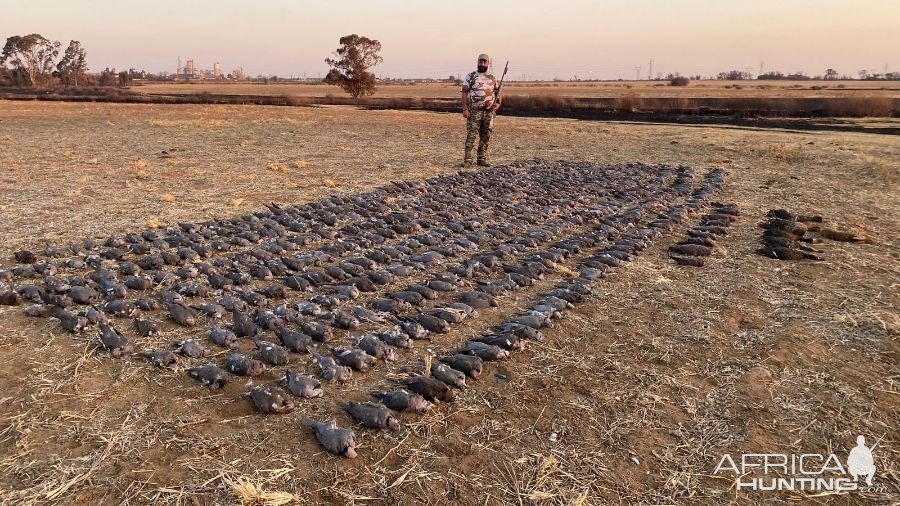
481, 69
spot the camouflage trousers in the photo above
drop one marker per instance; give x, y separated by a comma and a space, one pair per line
479, 127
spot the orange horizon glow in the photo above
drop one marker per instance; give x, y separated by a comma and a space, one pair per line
543, 40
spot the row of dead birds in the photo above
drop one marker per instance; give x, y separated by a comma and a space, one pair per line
440, 378
118, 345
700, 240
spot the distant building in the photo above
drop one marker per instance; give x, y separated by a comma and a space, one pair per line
189, 68
217, 70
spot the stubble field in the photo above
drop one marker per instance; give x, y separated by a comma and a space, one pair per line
632, 398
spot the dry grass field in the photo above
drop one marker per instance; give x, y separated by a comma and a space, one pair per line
605, 89
632, 399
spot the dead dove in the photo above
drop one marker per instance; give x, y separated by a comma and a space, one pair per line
433, 323
484, 351
470, 365
243, 324
271, 353
430, 388
160, 358
336, 440
354, 358
395, 337
302, 385
243, 366
294, 341
330, 370
114, 341
190, 348
448, 375
414, 330
223, 337
145, 328
507, 341
182, 314
270, 400
210, 375
316, 330
402, 400
376, 347
372, 415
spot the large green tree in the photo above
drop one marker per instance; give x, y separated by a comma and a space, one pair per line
350, 67
33, 55
73, 63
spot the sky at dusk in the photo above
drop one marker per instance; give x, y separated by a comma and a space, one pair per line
542, 39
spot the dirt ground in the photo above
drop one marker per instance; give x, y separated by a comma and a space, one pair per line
634, 397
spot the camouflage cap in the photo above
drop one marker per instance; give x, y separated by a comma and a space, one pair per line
484, 56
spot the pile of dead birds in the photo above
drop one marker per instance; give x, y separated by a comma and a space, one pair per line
701, 239
785, 236
306, 297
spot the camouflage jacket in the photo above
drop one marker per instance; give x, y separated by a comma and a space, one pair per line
480, 89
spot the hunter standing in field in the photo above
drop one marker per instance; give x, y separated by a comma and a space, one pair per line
479, 107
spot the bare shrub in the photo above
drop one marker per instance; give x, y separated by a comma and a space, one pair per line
628, 103
679, 81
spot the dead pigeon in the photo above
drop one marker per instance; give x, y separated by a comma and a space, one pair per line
430, 388
145, 328
693, 250
336, 440
25, 257
317, 331
160, 358
376, 347
302, 385
10, 298
270, 400
372, 415
402, 400
484, 351
448, 375
470, 365
414, 330
394, 306
223, 337
330, 370
342, 319
395, 337
354, 358
271, 353
182, 314
508, 341
243, 324
114, 341
210, 375
294, 341
432, 323
243, 366
190, 348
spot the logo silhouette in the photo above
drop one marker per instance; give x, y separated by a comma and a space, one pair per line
860, 461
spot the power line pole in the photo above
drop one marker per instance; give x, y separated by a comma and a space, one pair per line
761, 67
637, 73
650, 71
